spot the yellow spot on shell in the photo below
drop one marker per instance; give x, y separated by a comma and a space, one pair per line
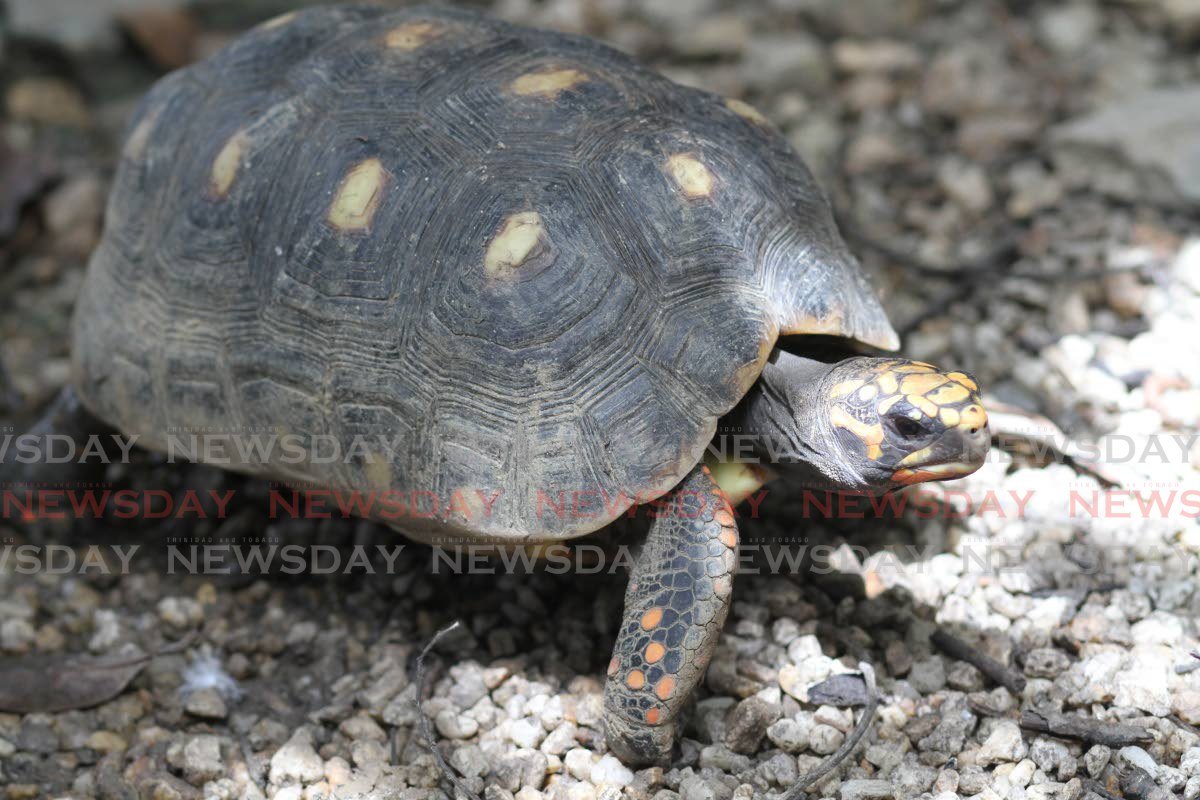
410, 35
964, 379
636, 679
547, 83
833, 324
655, 652
359, 195
512, 245
690, 175
920, 384
227, 163
135, 145
277, 22
950, 393
845, 387
651, 619
745, 111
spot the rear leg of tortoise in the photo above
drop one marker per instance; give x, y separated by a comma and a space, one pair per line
65, 416
675, 607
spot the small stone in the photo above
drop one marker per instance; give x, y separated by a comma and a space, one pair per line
824, 739
748, 723
1138, 758
49, 101
1003, 745
898, 657
297, 761
180, 613
1096, 759
206, 704
789, 735
966, 184
928, 675
454, 725
608, 771
201, 760
1046, 662
866, 790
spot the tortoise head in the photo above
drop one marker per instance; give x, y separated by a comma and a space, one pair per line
900, 422
866, 424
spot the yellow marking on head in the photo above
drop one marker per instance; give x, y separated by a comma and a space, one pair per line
916, 457
547, 83
651, 618
950, 393
920, 384
652, 716
227, 163
745, 111
964, 379
887, 383
279, 21
410, 36
664, 687
135, 145
974, 416
512, 245
874, 451
690, 175
655, 652
868, 392
636, 679
868, 434
845, 387
950, 417
359, 196
927, 408
886, 404
913, 368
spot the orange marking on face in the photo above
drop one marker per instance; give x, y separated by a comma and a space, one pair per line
927, 408
655, 652
964, 379
652, 716
922, 383
886, 404
729, 538
651, 619
636, 679
974, 416
664, 687
845, 387
869, 434
613, 666
950, 393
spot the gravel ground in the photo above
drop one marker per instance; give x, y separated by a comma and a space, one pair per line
1022, 180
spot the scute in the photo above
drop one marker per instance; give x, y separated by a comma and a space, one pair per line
344, 277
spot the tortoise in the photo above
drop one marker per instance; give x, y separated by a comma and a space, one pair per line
545, 270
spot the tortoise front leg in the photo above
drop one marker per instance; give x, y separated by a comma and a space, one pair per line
675, 606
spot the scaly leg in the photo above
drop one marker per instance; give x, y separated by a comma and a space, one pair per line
675, 607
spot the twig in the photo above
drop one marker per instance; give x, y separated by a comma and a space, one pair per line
1071, 726
958, 649
1097, 788
842, 753
426, 728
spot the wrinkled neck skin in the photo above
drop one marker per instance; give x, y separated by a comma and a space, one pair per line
787, 415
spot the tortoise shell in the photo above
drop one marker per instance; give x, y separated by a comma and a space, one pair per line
539, 269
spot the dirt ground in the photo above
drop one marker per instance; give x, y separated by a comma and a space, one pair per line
1022, 182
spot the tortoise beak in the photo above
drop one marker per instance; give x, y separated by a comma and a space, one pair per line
958, 453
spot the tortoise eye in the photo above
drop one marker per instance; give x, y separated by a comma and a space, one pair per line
908, 427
